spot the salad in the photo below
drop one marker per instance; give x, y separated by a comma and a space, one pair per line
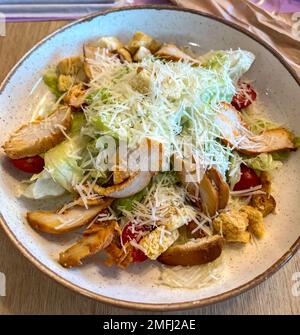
167, 155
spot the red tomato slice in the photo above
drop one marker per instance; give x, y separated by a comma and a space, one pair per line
127, 235
249, 179
244, 97
30, 165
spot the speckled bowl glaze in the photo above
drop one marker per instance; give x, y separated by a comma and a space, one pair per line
244, 267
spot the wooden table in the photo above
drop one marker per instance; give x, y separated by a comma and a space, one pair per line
29, 291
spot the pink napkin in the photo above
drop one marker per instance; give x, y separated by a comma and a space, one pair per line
275, 21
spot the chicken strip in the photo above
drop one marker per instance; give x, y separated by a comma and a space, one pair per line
39, 136
118, 255
96, 238
210, 194
71, 219
235, 132
172, 53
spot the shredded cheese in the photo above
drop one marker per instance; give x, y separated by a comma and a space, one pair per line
176, 107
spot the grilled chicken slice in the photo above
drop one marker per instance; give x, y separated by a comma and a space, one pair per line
173, 53
106, 45
209, 196
210, 193
90, 53
133, 185
120, 176
39, 136
119, 256
96, 238
235, 132
131, 182
222, 187
194, 252
71, 219
75, 96
93, 202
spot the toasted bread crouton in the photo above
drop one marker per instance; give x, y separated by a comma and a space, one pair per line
265, 203
157, 242
141, 54
266, 182
256, 221
194, 252
233, 226
70, 66
140, 39
65, 82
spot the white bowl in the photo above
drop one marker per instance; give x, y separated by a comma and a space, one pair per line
246, 266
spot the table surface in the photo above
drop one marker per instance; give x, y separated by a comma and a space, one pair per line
28, 291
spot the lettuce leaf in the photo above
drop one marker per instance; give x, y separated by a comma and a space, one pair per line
263, 162
62, 161
234, 173
235, 62
43, 186
281, 155
127, 203
101, 94
51, 80
297, 142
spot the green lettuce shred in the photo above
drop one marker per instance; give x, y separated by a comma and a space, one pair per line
126, 204
235, 62
263, 162
297, 142
62, 161
51, 80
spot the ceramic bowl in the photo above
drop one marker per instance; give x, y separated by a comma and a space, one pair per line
244, 267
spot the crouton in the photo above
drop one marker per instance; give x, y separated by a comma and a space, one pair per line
256, 221
194, 252
233, 226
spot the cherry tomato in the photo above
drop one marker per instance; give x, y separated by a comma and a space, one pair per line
244, 97
30, 164
249, 179
127, 235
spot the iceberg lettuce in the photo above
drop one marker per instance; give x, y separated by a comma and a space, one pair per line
51, 80
263, 162
43, 186
235, 62
62, 161
127, 203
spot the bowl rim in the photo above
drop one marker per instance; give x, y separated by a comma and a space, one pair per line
137, 305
